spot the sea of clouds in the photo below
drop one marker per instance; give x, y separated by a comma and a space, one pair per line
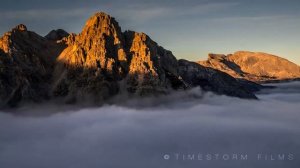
188, 129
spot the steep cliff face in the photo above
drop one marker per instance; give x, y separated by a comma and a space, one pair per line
253, 66
213, 80
151, 68
101, 57
26, 63
93, 62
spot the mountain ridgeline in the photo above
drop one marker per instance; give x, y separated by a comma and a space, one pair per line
98, 64
254, 66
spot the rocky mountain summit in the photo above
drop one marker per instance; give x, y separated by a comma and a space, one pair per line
254, 66
102, 61
26, 64
97, 64
56, 35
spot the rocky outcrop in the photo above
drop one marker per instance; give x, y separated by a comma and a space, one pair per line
152, 69
26, 63
213, 80
253, 66
101, 57
56, 35
96, 64
94, 61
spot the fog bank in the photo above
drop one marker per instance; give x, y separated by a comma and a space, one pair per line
159, 132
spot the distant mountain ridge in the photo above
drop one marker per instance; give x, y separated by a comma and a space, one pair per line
254, 66
100, 63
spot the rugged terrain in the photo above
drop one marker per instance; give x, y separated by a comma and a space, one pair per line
26, 64
99, 63
254, 66
210, 79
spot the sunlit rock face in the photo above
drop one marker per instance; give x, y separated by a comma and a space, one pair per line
97, 64
210, 79
253, 66
93, 62
101, 57
152, 69
98, 46
26, 63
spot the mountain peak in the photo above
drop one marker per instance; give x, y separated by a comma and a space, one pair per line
97, 18
99, 46
101, 22
20, 27
216, 56
101, 14
56, 35
98, 63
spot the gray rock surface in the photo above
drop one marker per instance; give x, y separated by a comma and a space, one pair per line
26, 65
213, 80
56, 35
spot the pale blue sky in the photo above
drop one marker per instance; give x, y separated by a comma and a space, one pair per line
189, 28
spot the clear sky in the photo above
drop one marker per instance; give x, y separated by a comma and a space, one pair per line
189, 28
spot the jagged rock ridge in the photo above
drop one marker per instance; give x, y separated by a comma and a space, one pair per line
210, 79
93, 62
253, 66
101, 57
56, 35
26, 63
98, 63
151, 67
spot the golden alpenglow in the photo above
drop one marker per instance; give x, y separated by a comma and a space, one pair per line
254, 66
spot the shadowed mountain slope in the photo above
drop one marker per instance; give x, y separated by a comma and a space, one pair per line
26, 65
97, 64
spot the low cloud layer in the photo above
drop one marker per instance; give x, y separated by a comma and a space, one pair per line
158, 133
